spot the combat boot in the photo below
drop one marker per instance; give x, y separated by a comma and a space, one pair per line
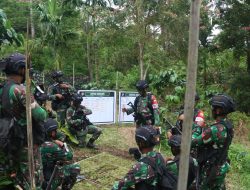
91, 144
81, 144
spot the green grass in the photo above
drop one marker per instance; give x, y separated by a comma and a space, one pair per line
102, 168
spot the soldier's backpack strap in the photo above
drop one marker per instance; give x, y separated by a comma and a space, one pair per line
5, 100
11, 135
167, 180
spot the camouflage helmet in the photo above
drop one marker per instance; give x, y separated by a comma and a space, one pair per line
141, 84
147, 136
223, 101
50, 125
13, 63
77, 98
175, 141
56, 74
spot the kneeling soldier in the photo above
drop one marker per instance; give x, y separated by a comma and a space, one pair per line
79, 124
56, 157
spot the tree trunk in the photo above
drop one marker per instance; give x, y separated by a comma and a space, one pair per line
141, 62
88, 47
248, 61
140, 25
32, 26
90, 68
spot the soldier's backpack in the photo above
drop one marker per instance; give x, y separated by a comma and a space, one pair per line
11, 134
167, 180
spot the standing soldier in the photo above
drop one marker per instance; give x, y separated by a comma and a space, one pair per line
60, 93
215, 141
145, 108
56, 157
199, 120
79, 124
14, 159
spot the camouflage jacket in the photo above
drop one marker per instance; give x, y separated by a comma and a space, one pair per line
148, 108
140, 172
74, 116
173, 166
17, 108
212, 141
17, 105
51, 153
66, 92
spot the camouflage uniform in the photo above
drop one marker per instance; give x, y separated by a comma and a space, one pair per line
140, 172
80, 126
173, 165
212, 140
53, 155
148, 108
18, 109
56, 156
60, 105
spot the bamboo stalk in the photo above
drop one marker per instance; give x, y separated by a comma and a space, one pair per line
29, 117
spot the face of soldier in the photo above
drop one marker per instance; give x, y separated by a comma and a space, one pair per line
175, 151
22, 74
142, 92
58, 80
53, 134
216, 111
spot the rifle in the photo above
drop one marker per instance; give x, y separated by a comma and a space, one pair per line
172, 126
66, 97
52, 176
79, 114
197, 178
137, 116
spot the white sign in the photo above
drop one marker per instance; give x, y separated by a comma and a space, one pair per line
124, 99
102, 103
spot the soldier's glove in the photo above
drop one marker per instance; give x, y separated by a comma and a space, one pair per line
135, 152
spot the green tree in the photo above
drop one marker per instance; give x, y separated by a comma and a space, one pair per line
7, 34
235, 25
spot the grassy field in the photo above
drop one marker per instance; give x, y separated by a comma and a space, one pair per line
108, 164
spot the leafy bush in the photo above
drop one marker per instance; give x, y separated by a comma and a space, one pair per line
240, 90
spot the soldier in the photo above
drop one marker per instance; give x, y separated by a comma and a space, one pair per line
60, 93
173, 164
14, 161
145, 108
79, 124
199, 120
56, 157
142, 175
215, 141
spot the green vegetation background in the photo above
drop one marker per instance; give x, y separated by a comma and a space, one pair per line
106, 48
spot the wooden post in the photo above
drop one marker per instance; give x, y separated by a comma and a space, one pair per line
74, 75
190, 93
28, 116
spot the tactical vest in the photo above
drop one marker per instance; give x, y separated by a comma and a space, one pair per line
216, 156
138, 117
